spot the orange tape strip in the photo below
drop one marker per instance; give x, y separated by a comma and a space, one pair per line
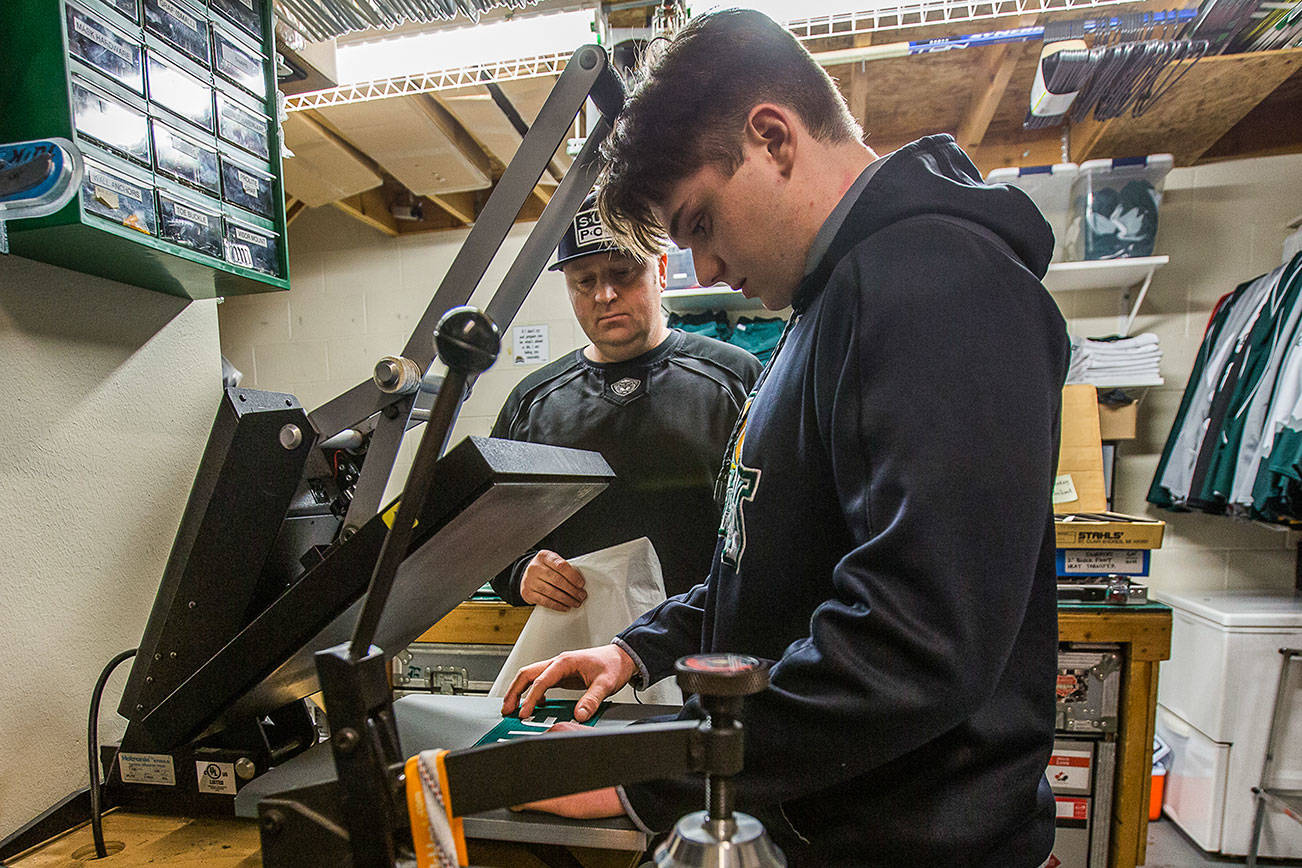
426, 851
458, 832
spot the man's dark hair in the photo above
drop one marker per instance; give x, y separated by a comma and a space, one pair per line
687, 106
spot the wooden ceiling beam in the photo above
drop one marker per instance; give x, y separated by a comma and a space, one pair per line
293, 207
993, 84
463, 207
371, 208
456, 133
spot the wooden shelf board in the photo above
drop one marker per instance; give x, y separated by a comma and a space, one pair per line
1101, 273
1195, 114
699, 298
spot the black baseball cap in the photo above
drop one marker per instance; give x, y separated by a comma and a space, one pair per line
584, 236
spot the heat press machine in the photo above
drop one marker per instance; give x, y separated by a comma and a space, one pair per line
277, 583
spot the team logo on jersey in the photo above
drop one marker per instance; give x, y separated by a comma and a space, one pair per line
743, 484
625, 387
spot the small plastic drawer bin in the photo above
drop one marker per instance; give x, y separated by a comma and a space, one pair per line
252, 247
238, 64
179, 90
109, 121
185, 159
1114, 207
180, 25
119, 198
248, 188
104, 48
190, 223
129, 8
245, 13
243, 126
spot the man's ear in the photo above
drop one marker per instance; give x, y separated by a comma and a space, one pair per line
769, 126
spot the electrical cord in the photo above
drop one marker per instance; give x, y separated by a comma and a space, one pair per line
92, 750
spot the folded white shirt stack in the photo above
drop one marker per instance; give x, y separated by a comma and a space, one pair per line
1118, 362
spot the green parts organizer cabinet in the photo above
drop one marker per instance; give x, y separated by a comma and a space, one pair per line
172, 105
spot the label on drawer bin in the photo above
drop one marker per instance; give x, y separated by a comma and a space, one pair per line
250, 184
250, 237
104, 183
184, 18
100, 39
190, 214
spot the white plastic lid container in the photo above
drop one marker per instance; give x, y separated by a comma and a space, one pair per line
1049, 188
1114, 207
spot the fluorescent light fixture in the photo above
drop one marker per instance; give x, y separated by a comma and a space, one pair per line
455, 47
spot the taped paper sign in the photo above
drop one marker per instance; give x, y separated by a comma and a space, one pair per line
1064, 491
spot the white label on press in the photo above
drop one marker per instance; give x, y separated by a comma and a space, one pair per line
215, 777
147, 768
1064, 490
189, 213
250, 237
1087, 561
107, 182
239, 254
248, 182
190, 22
99, 38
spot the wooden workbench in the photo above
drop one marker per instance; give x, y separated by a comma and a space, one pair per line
225, 842
1144, 633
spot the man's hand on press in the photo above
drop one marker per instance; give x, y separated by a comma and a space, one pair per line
591, 805
551, 582
601, 670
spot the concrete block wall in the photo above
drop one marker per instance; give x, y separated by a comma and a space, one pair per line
108, 395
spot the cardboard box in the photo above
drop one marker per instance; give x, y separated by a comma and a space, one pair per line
1118, 423
1107, 530
1078, 486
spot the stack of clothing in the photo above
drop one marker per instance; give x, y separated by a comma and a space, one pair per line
1116, 361
758, 335
1236, 444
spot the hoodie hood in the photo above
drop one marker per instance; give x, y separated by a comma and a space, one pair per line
933, 176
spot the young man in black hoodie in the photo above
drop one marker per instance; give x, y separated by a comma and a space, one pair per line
887, 536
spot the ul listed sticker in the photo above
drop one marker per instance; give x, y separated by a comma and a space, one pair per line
215, 777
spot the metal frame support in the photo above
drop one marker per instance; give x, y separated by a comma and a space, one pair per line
587, 74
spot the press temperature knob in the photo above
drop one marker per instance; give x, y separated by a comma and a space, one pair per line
722, 674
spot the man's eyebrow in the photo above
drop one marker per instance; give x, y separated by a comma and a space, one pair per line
673, 221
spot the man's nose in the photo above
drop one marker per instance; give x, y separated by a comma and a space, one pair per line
605, 293
709, 268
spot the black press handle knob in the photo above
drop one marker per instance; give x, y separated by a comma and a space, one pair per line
722, 674
467, 340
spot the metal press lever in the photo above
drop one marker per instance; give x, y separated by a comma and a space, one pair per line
359, 702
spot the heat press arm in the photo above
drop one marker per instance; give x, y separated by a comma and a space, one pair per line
587, 74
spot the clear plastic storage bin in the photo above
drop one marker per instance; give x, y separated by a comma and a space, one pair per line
1114, 207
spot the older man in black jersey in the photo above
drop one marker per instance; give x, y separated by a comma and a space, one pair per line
657, 402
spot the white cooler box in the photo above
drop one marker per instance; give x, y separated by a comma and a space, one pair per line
1215, 697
